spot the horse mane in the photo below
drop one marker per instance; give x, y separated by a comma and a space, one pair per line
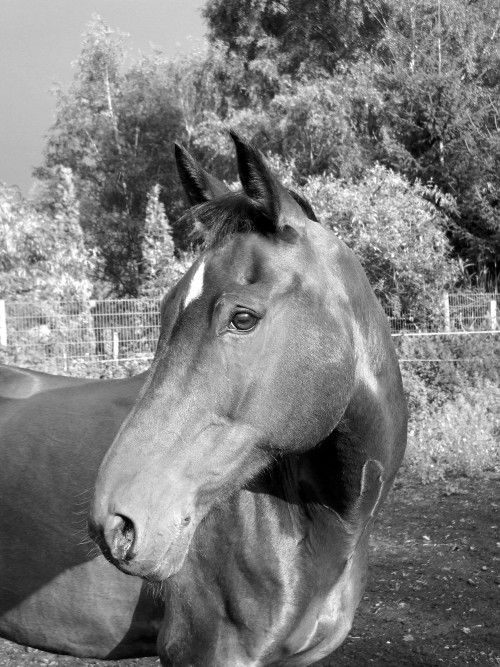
215, 220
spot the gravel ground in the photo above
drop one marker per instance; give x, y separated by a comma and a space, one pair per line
433, 592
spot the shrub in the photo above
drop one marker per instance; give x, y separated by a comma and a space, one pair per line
459, 438
454, 404
398, 234
448, 364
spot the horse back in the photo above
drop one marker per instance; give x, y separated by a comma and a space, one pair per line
55, 593
17, 383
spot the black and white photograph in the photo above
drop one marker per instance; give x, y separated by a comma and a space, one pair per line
250, 333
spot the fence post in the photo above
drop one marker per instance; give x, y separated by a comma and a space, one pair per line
3, 324
446, 312
493, 314
116, 345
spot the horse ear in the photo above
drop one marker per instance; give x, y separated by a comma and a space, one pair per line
199, 185
262, 187
304, 205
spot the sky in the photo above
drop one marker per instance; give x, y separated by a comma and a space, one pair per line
39, 39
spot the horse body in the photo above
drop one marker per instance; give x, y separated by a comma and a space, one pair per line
268, 433
55, 595
276, 572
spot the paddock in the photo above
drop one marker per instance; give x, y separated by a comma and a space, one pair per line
433, 591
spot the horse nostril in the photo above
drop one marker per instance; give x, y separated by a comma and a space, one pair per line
120, 537
186, 521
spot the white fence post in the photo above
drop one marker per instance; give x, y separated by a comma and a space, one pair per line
3, 324
446, 312
116, 345
493, 314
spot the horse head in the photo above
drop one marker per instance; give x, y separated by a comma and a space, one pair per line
262, 348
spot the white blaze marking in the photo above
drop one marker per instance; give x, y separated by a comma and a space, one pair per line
196, 286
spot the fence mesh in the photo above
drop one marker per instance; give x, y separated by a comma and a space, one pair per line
73, 336
458, 312
474, 312
67, 334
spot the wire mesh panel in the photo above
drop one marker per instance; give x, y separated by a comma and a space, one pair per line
64, 334
474, 312
126, 329
414, 323
457, 312
82, 337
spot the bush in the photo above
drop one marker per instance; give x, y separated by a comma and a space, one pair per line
396, 231
449, 364
454, 403
459, 438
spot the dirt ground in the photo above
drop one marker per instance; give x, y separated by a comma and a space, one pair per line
433, 595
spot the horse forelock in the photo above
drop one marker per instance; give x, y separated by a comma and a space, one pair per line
216, 220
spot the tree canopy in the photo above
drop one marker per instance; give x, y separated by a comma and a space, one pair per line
43, 256
328, 87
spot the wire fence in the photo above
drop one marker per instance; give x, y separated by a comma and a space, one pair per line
458, 313
74, 336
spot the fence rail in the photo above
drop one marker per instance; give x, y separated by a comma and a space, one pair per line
66, 335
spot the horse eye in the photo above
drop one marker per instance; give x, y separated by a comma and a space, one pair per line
243, 321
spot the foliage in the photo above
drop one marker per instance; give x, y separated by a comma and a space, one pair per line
428, 97
294, 33
84, 368
161, 268
440, 83
321, 123
461, 438
43, 256
398, 235
115, 129
454, 404
455, 362
332, 87
318, 123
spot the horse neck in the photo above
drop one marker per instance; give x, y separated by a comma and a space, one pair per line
300, 497
267, 530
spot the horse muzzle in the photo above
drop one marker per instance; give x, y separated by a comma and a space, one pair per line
155, 557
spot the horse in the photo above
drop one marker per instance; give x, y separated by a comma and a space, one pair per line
55, 594
265, 439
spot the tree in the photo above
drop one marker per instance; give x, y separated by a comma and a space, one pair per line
321, 122
441, 84
43, 257
158, 256
295, 34
331, 86
427, 104
115, 129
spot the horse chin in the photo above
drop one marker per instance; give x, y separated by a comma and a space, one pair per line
167, 567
